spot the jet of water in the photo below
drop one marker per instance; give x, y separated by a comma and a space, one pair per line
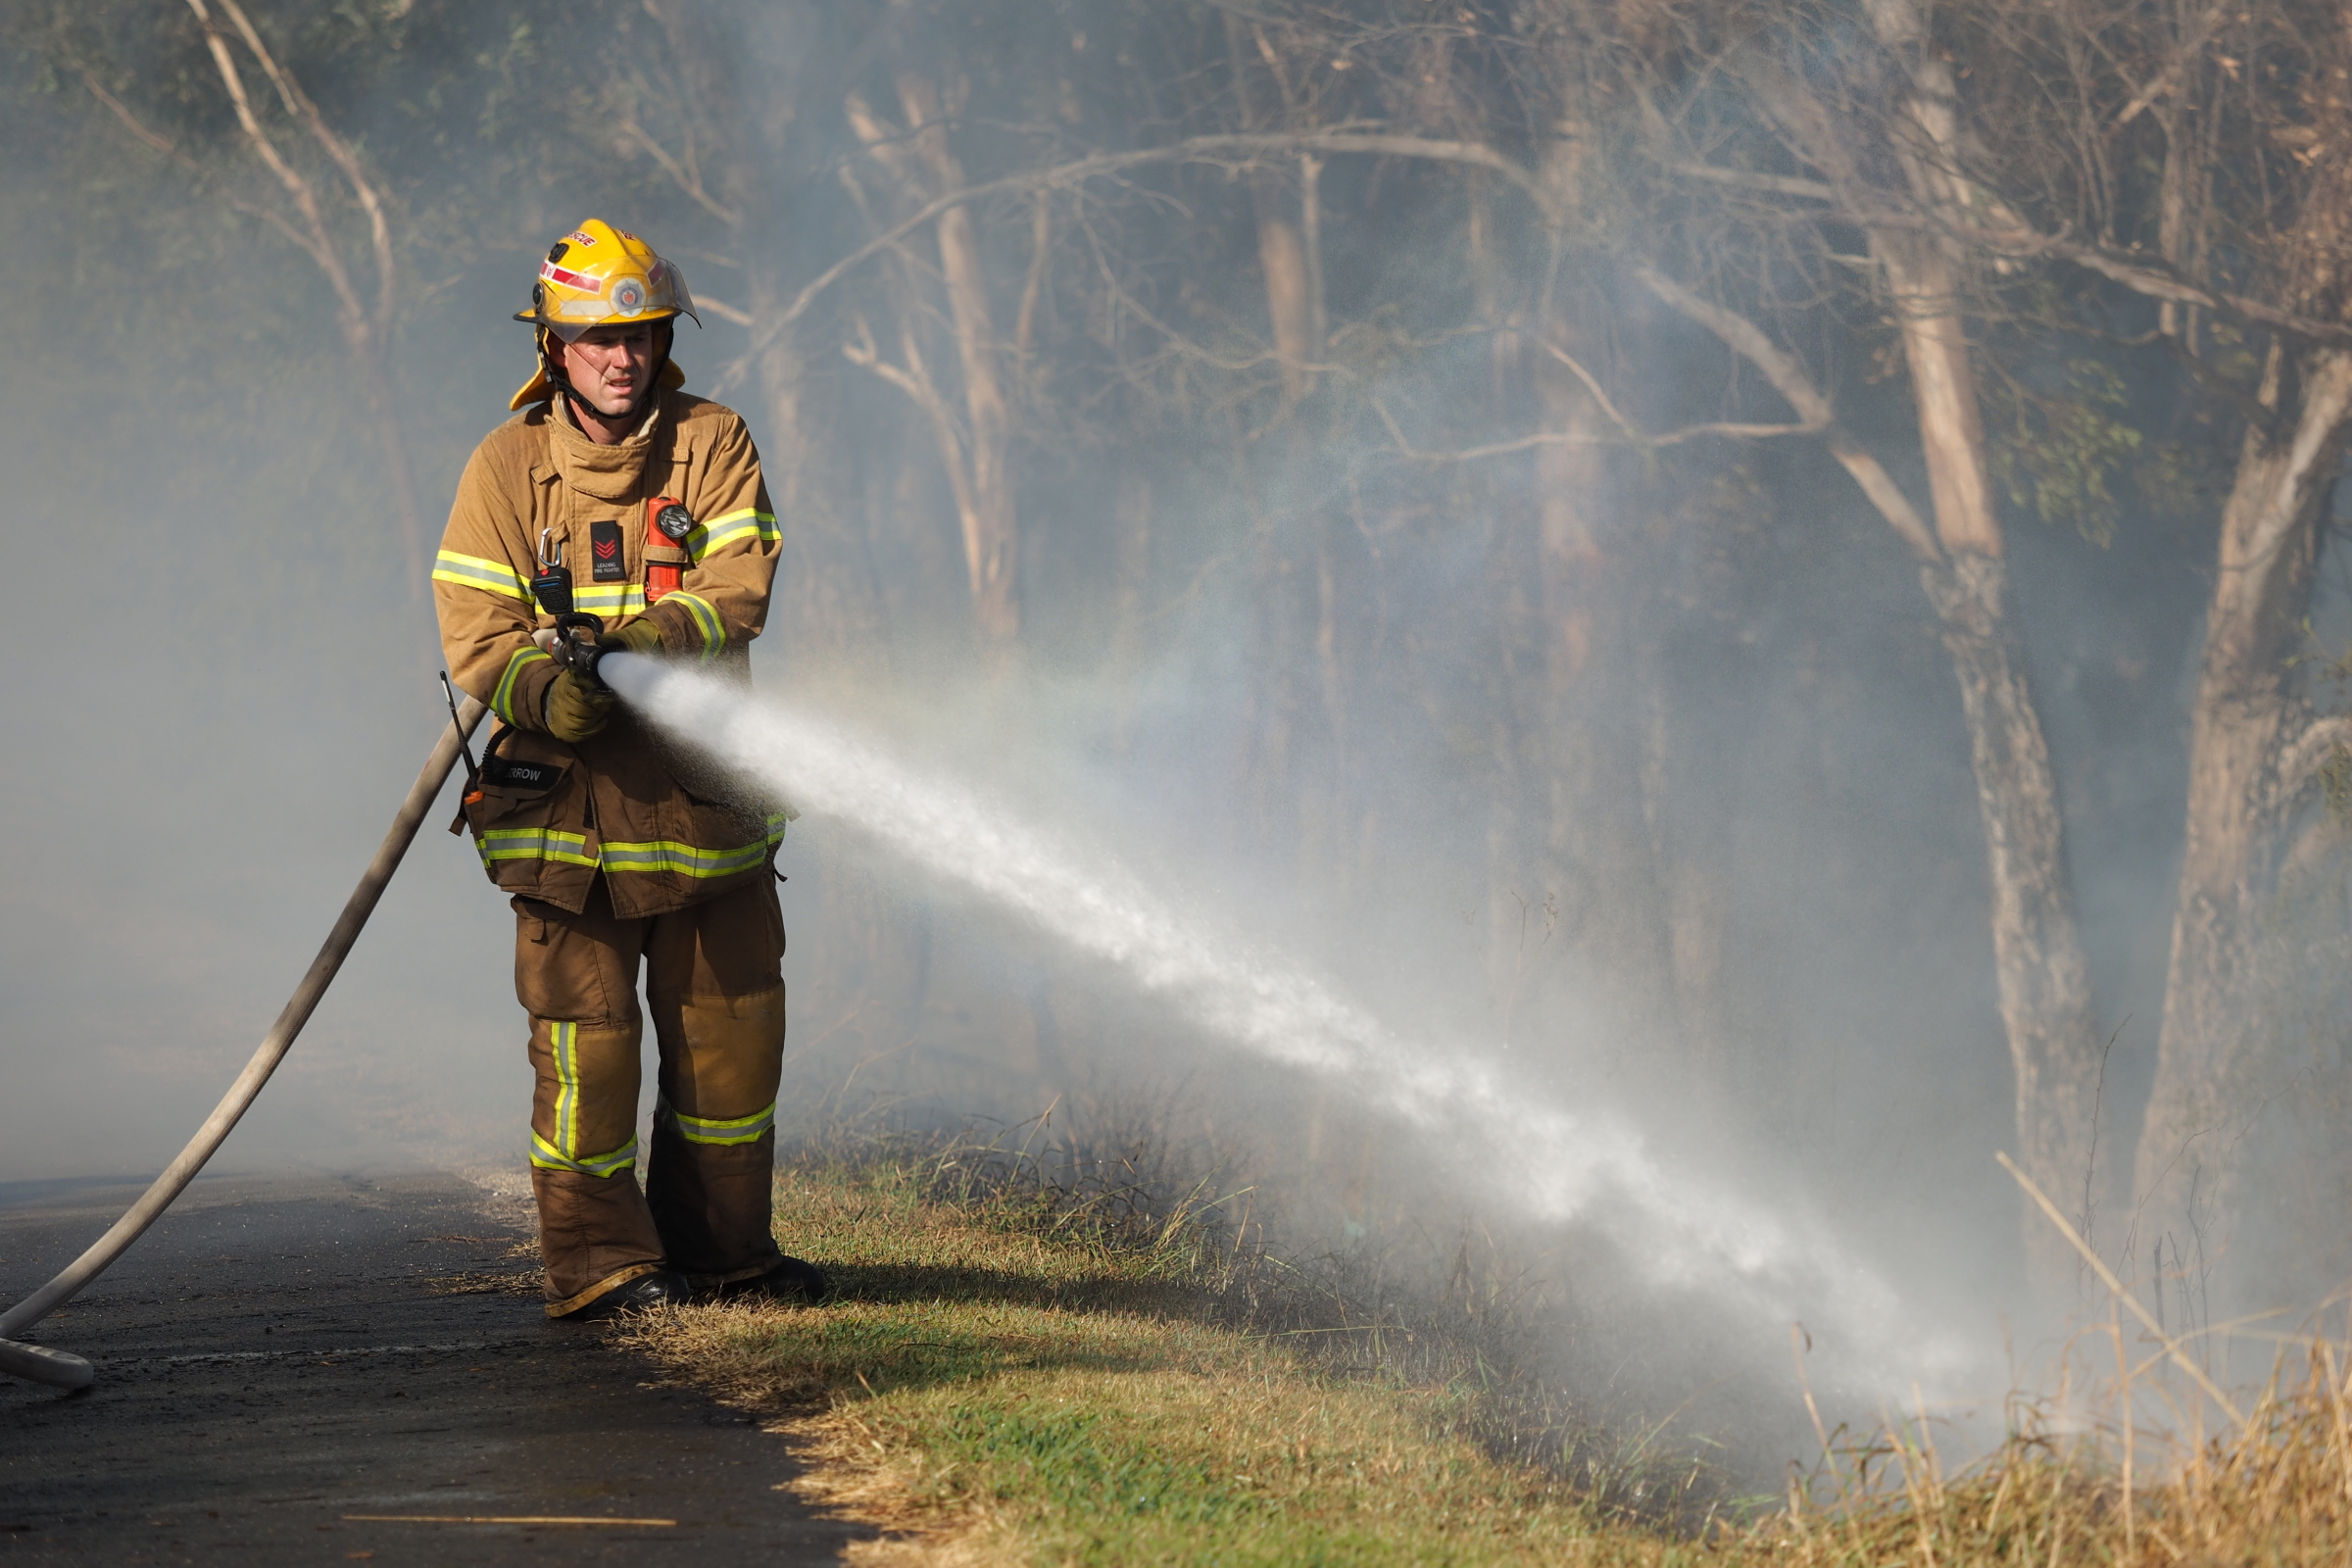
1770, 1265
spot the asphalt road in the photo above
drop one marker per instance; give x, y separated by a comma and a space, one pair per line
281, 1355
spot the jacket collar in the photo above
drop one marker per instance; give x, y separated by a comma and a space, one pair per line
608, 473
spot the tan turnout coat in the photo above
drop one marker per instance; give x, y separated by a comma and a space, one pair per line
550, 816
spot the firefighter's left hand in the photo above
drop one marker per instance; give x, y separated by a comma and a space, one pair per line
640, 636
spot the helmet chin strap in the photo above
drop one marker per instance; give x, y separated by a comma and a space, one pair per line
554, 364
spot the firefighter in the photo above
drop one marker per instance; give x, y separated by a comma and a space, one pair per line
615, 493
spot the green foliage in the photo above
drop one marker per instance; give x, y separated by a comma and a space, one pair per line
2059, 452
2182, 479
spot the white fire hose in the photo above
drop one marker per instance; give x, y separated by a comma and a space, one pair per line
42, 1364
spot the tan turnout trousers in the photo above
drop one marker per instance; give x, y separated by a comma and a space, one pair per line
715, 983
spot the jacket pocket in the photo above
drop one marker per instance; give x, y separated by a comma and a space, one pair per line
530, 819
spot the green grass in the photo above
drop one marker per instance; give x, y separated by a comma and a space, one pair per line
1010, 1375
1001, 1371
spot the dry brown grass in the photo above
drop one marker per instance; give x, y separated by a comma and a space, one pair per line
2273, 1489
992, 1386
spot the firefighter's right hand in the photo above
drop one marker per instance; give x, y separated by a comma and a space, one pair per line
577, 707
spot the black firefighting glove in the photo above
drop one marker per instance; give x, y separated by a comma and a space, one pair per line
576, 705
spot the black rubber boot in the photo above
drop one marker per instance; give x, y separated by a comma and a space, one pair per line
791, 1280
647, 1293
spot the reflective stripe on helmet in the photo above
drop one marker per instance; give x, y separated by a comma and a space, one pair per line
535, 843
579, 280
668, 854
501, 700
704, 1130
472, 571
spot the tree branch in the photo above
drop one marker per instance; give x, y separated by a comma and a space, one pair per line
1196, 149
1812, 190
2162, 81
686, 181
346, 159
314, 239
2143, 274
1788, 379
172, 150
2153, 278
2301, 759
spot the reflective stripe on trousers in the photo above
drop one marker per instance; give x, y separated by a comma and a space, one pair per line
704, 1130
576, 1125
713, 984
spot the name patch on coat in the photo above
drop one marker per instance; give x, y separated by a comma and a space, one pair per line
604, 543
503, 772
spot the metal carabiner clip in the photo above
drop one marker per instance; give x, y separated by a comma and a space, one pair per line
552, 588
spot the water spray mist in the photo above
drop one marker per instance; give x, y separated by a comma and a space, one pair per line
1763, 1263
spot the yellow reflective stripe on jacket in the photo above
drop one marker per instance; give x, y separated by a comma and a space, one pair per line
668, 854
472, 571
706, 620
609, 599
546, 1156
535, 843
501, 700
739, 1130
732, 528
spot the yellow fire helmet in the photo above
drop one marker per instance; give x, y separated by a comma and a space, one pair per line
594, 276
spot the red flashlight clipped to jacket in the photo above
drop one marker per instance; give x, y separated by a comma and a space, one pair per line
666, 558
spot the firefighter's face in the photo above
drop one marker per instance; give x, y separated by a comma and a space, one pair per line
610, 365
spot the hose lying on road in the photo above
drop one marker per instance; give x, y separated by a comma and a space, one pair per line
44, 1365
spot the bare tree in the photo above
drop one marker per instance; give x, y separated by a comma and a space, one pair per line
2255, 747
2238, 241
310, 211
1878, 161
730, 161
921, 164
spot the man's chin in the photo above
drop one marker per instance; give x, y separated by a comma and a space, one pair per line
617, 404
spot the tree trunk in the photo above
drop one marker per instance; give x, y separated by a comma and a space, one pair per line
2245, 715
392, 445
2043, 979
2039, 970
992, 550
1596, 901
828, 615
